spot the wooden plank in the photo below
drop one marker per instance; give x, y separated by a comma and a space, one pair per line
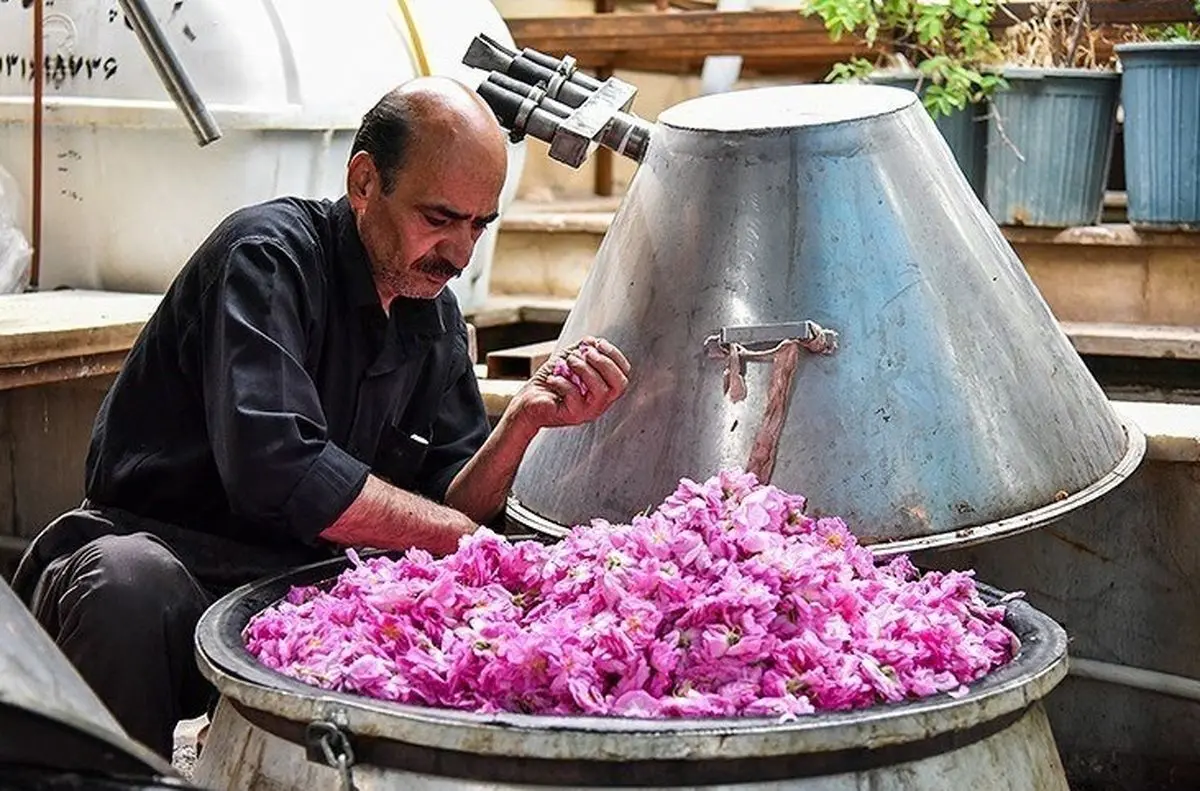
55, 325
1134, 340
776, 41
68, 369
51, 428
595, 220
761, 63
1115, 12
558, 222
494, 314
548, 311
519, 362
699, 32
1172, 430
678, 27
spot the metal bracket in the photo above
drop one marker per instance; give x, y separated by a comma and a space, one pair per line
325, 743
578, 135
528, 105
763, 337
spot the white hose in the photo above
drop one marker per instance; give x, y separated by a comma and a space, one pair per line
1135, 677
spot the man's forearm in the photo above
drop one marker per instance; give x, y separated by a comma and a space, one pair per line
385, 517
480, 488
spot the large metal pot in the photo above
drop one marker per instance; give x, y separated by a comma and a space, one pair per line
271, 732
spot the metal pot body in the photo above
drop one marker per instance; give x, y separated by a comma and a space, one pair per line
272, 732
1022, 756
954, 409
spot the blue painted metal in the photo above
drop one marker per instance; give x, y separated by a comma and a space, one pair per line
1049, 146
965, 130
954, 403
1160, 90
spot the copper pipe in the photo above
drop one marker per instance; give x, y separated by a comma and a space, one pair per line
39, 76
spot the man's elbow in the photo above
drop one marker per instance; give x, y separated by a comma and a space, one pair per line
301, 496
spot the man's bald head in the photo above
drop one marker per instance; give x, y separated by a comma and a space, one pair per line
425, 112
424, 181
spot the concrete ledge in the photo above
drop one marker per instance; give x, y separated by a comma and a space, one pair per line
1134, 340
45, 326
1111, 235
1172, 430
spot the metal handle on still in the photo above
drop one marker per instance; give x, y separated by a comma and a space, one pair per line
780, 344
329, 745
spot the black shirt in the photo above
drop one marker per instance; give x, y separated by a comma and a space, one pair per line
270, 381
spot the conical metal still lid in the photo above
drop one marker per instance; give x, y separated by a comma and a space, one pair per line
953, 408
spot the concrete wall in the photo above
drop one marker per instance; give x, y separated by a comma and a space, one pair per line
1123, 578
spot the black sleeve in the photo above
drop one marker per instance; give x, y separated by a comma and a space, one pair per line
459, 430
264, 417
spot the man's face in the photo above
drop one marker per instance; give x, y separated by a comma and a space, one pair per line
421, 234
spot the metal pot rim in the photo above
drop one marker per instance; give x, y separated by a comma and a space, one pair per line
224, 660
959, 538
1039, 73
742, 105
1157, 46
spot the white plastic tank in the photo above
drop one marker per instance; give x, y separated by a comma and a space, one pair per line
128, 193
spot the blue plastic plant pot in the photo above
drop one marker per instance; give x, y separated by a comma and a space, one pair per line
1049, 146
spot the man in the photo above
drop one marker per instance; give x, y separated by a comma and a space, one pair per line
304, 386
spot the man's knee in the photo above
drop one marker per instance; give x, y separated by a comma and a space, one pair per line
130, 581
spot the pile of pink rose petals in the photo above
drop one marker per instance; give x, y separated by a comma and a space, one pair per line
562, 369
726, 601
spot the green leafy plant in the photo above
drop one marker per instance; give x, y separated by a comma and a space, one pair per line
949, 41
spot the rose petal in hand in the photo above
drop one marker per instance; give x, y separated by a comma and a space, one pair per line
567, 392
590, 376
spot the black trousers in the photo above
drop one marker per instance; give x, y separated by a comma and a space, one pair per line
120, 595
123, 609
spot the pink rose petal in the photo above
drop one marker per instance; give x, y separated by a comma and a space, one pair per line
725, 601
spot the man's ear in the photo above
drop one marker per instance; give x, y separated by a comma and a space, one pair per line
362, 180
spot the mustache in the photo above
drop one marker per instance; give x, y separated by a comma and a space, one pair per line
438, 266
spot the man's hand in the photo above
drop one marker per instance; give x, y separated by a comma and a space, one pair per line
548, 399
551, 398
